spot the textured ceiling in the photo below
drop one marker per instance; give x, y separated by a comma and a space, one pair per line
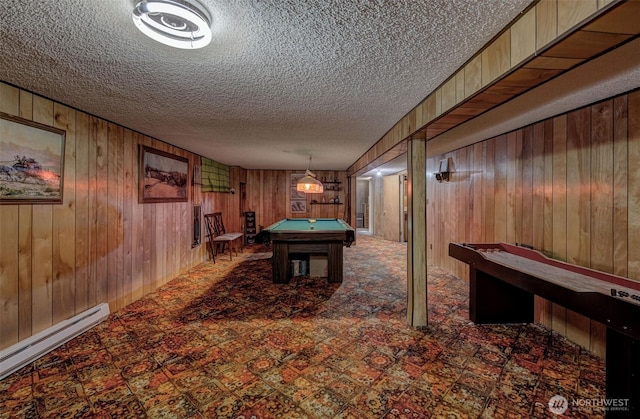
280, 81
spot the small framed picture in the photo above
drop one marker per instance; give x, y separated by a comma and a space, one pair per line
298, 207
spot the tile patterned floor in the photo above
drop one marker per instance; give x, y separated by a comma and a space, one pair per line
222, 341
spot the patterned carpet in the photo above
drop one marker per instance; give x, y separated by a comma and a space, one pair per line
222, 341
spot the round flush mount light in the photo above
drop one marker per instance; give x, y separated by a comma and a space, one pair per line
182, 24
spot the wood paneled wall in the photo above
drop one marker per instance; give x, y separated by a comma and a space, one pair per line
269, 195
569, 186
100, 245
226, 203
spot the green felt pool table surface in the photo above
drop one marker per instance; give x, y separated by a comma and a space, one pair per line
304, 224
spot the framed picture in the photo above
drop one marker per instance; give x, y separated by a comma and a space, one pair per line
164, 177
31, 162
297, 200
297, 195
298, 207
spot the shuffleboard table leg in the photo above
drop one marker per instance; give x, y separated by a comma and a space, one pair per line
492, 300
623, 375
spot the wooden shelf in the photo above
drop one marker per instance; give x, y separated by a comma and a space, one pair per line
326, 203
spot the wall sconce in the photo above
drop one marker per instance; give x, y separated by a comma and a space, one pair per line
444, 170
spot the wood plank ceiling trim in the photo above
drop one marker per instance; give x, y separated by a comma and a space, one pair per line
608, 28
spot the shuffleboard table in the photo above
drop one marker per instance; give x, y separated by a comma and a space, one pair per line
503, 280
305, 236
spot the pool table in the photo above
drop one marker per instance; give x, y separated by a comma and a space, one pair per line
306, 236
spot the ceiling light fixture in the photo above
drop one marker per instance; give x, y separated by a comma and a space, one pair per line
309, 183
182, 24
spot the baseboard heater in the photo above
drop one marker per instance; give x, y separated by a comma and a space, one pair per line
22, 353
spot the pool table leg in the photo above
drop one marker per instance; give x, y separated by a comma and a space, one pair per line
334, 263
280, 263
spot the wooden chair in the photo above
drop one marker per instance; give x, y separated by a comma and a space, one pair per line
218, 236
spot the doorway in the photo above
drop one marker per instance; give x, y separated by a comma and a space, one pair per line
363, 206
404, 222
391, 205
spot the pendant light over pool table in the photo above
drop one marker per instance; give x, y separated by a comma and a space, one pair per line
309, 183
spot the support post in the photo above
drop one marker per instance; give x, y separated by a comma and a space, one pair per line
417, 233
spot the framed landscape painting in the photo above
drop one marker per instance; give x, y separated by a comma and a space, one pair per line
31, 162
164, 177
